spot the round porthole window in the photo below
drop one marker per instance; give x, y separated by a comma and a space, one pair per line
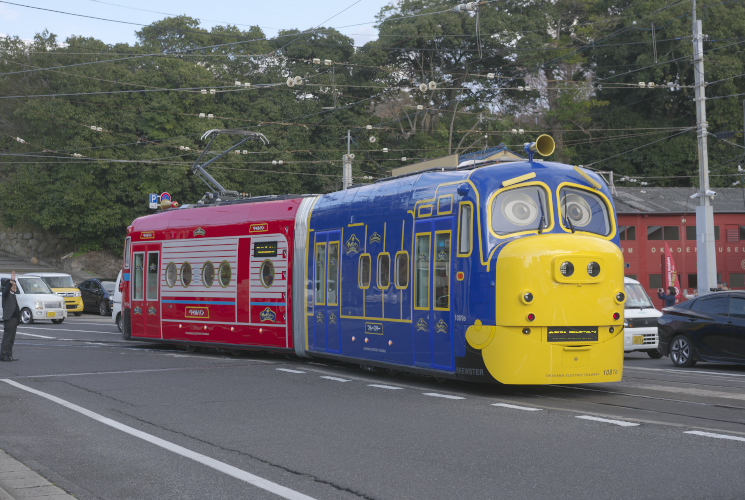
225, 273
208, 274
171, 274
267, 273
186, 274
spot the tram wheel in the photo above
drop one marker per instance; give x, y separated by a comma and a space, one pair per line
681, 352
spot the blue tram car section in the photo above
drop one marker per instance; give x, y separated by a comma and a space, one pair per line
406, 273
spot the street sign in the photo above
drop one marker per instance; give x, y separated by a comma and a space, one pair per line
154, 201
165, 196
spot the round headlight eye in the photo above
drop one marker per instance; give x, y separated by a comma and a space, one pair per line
593, 269
567, 269
528, 297
620, 297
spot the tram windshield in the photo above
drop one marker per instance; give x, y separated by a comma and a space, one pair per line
520, 209
582, 210
636, 297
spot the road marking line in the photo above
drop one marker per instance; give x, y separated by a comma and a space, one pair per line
438, 395
679, 371
608, 421
62, 328
235, 472
38, 336
289, 371
380, 386
515, 407
717, 436
327, 377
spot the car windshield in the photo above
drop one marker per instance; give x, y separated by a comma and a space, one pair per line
636, 297
108, 286
59, 281
34, 285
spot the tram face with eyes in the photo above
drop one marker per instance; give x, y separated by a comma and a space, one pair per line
529, 208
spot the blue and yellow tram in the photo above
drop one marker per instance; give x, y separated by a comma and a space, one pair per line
508, 272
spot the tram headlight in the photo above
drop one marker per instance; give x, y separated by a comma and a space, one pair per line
566, 269
526, 297
593, 269
620, 297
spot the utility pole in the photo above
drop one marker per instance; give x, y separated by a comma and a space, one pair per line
707, 262
346, 177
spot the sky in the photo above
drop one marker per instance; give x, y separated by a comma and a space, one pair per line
25, 18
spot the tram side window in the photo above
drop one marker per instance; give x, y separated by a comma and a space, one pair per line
333, 283
127, 250
384, 270
365, 271
465, 225
138, 292
402, 270
442, 270
320, 273
423, 253
153, 273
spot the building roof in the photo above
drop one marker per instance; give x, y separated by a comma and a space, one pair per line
671, 200
497, 153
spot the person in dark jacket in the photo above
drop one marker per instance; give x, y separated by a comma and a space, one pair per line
11, 318
668, 297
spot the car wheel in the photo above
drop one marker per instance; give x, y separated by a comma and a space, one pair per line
681, 352
79, 314
119, 323
654, 354
26, 317
58, 321
103, 309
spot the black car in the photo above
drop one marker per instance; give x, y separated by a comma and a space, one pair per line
97, 294
707, 328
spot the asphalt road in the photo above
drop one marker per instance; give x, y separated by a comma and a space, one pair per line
104, 418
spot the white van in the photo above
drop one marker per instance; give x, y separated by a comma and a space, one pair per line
36, 300
640, 320
116, 306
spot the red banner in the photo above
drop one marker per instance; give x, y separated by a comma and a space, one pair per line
670, 276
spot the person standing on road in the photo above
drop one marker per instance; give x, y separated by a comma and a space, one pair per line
669, 298
11, 318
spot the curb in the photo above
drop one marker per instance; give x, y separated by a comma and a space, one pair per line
19, 482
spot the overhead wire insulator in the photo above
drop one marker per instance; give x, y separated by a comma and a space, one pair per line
290, 82
202, 115
327, 62
423, 87
432, 85
316, 61
298, 80
372, 138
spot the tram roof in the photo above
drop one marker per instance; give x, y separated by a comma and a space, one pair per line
668, 200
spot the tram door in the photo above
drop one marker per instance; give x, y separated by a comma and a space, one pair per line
145, 291
432, 322
326, 276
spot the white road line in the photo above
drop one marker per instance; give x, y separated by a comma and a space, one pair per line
337, 379
380, 386
38, 336
235, 472
445, 396
608, 421
515, 407
679, 371
289, 371
62, 328
717, 436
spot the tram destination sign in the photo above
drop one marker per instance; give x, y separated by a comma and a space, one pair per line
572, 333
265, 249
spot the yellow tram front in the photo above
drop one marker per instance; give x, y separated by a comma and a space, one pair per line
558, 281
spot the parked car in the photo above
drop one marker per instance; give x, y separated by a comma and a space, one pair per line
36, 300
639, 320
62, 284
97, 293
116, 303
708, 328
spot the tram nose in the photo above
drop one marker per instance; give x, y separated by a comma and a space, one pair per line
579, 283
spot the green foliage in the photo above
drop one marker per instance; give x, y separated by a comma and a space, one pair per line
581, 60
